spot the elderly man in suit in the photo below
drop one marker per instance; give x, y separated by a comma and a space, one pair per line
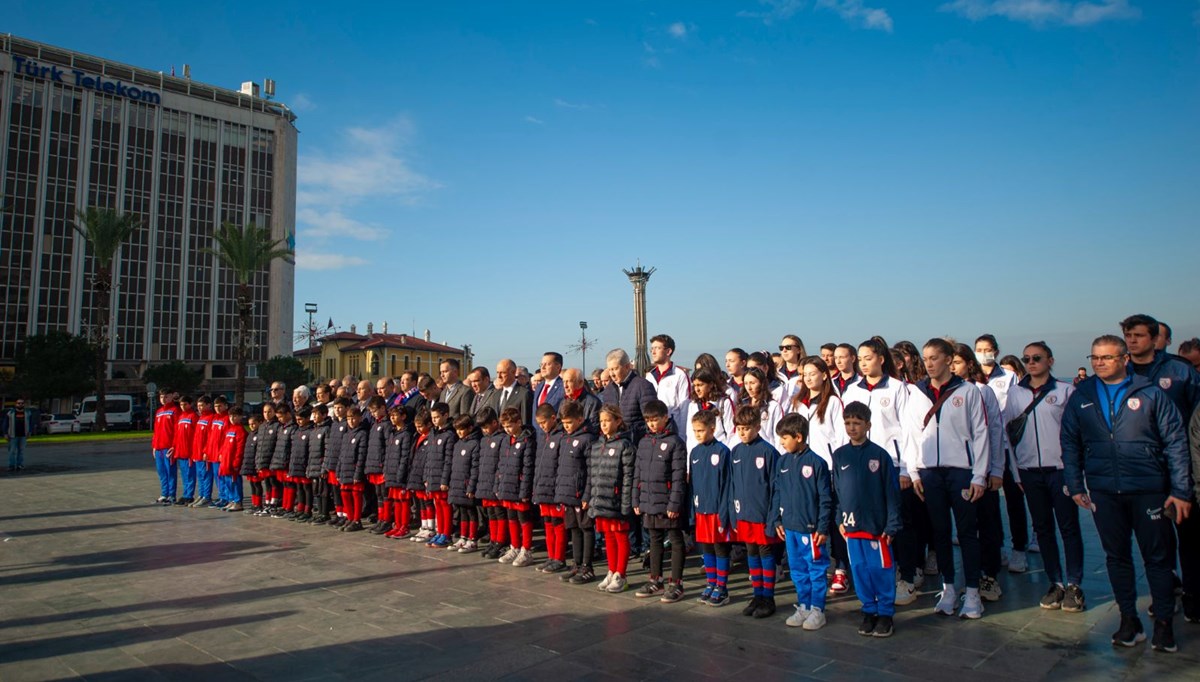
511, 393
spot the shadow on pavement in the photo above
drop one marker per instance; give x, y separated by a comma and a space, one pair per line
79, 512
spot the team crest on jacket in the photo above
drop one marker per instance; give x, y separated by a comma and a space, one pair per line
1051, 399
884, 402
958, 401
612, 451
461, 452
493, 444
575, 443
663, 447
1165, 383
760, 462
715, 459
440, 441
1134, 404
873, 465
552, 444
517, 446
806, 471
874, 544
303, 437
804, 539
1066, 492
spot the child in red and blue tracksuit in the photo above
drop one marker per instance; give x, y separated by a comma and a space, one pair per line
233, 445
712, 505
185, 435
802, 505
753, 463
868, 492
162, 443
204, 417
212, 455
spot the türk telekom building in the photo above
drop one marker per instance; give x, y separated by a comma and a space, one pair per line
184, 157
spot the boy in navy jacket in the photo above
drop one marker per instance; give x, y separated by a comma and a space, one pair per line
464, 470
711, 504
868, 491
571, 489
514, 486
752, 475
802, 510
437, 473
485, 488
659, 479
544, 474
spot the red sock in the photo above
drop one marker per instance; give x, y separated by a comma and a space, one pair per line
514, 532
403, 514
256, 500
385, 513
622, 542
347, 500
527, 535
356, 509
500, 534
472, 530
289, 497
610, 549
562, 542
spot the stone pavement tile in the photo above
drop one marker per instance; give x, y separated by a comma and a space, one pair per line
36, 671
491, 662
98, 662
622, 664
557, 669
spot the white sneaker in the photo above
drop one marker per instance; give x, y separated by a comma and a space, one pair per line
906, 593
1017, 562
468, 546
618, 584
989, 589
1033, 546
918, 580
509, 556
815, 620
972, 606
797, 619
605, 583
947, 601
457, 545
931, 567
524, 558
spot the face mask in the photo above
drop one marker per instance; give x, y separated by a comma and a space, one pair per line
986, 358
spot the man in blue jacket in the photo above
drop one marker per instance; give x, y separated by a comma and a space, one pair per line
1125, 458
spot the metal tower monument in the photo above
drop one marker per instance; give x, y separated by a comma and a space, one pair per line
638, 278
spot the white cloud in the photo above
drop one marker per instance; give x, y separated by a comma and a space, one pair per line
319, 225
855, 12
327, 261
368, 163
559, 102
534, 120
301, 102
777, 10
1045, 12
678, 30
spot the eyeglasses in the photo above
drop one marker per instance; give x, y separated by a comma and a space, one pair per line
1032, 358
790, 346
1105, 358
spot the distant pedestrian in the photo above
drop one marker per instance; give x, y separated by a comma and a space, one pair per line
18, 425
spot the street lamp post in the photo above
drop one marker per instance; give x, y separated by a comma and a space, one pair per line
583, 346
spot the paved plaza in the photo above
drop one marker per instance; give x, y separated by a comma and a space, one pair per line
98, 583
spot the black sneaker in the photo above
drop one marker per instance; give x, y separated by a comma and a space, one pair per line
352, 527
867, 629
673, 594
883, 627
1164, 636
570, 573
1053, 599
766, 607
320, 520
1130, 632
1191, 607
182, 502
751, 607
583, 576
653, 588
1073, 601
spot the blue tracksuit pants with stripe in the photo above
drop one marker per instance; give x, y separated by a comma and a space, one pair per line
807, 562
874, 575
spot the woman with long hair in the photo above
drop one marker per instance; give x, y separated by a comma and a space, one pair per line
756, 393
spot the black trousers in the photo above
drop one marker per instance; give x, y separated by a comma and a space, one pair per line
1050, 506
944, 488
1122, 516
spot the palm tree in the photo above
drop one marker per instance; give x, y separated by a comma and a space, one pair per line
246, 251
105, 231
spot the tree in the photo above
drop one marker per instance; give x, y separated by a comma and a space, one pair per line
175, 375
246, 251
55, 365
105, 231
283, 368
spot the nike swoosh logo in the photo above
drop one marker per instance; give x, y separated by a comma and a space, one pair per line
1087, 404
845, 467
784, 471
737, 461
695, 461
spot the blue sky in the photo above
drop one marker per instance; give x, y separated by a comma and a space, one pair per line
833, 168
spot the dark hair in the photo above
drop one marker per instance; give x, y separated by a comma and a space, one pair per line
425, 382
570, 409
742, 355
974, 370
912, 362
544, 411
463, 422
879, 347
857, 410
220, 400
190, 399
829, 347
665, 340
558, 359
353, 412
423, 417
612, 411
398, 410
236, 412
304, 412
901, 364
409, 373
990, 339
705, 376
706, 417
822, 399
1014, 362
483, 372
321, 409
794, 425
747, 416
510, 415
453, 362
942, 346
376, 402
654, 408
852, 349
705, 361
1166, 328
485, 416
343, 401
1189, 346
763, 384
283, 408
205, 398
440, 408
1132, 321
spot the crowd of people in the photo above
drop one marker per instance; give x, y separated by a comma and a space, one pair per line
858, 465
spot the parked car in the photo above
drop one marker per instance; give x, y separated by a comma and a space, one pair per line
60, 423
118, 412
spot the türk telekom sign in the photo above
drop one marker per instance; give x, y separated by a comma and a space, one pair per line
82, 79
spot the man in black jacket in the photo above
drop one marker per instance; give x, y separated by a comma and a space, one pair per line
1125, 458
629, 391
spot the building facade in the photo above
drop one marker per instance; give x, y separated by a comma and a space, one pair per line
374, 355
181, 156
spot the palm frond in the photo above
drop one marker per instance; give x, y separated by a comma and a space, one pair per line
247, 250
105, 231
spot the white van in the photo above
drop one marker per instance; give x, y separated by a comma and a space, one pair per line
118, 412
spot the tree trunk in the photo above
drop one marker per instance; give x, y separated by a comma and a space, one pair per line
103, 293
243, 345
